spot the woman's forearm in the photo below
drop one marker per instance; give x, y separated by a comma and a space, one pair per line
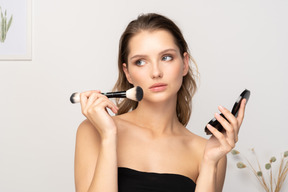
206, 181
106, 171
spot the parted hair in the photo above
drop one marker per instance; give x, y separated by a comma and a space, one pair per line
152, 22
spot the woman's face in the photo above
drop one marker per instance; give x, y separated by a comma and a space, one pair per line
156, 65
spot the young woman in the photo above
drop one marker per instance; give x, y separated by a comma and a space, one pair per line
146, 146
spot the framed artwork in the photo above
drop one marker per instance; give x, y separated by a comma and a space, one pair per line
16, 30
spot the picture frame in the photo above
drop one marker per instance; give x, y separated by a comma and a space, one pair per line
16, 30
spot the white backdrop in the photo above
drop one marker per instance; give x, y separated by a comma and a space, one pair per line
237, 45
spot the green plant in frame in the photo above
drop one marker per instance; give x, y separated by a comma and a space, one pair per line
4, 25
275, 180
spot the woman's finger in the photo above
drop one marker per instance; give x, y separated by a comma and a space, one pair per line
92, 99
220, 137
104, 102
230, 132
241, 112
232, 120
229, 116
84, 96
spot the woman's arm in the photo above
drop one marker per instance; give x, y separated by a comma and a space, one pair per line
206, 181
96, 147
221, 172
211, 176
95, 161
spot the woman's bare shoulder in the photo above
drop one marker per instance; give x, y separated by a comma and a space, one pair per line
199, 139
122, 121
194, 137
86, 125
87, 132
87, 129
196, 143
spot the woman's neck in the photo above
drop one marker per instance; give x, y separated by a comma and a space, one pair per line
160, 118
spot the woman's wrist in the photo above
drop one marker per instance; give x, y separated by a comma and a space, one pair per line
107, 139
108, 134
207, 163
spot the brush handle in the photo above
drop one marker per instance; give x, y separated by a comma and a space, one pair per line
75, 97
119, 94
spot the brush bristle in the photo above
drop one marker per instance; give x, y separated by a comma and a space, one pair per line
75, 98
139, 93
135, 93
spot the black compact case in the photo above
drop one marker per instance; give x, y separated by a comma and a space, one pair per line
244, 95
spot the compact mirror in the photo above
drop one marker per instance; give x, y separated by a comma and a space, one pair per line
244, 95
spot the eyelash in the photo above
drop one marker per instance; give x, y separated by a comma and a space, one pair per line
142, 60
171, 57
137, 62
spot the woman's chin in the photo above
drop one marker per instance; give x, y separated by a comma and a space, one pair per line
160, 98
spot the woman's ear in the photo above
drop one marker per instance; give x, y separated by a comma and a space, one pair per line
186, 63
125, 69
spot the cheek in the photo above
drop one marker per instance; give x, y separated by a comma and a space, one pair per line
137, 76
176, 75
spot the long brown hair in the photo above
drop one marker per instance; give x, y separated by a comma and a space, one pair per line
153, 22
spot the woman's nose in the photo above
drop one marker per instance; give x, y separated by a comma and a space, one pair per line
156, 71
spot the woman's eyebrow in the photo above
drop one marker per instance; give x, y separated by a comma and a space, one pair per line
137, 56
167, 50
164, 51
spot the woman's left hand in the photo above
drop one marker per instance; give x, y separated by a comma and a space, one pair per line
221, 143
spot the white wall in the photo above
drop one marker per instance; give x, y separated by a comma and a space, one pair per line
237, 44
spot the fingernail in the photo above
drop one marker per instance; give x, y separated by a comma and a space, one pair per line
221, 108
210, 127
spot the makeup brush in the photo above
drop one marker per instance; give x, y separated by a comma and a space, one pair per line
135, 94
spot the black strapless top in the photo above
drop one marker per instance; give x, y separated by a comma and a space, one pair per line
130, 180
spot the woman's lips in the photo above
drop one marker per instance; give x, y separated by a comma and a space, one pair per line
158, 87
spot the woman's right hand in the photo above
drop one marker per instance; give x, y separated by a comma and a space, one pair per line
94, 107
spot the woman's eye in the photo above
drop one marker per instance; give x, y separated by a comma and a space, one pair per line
167, 58
140, 62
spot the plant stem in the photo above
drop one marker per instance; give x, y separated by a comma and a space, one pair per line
262, 182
